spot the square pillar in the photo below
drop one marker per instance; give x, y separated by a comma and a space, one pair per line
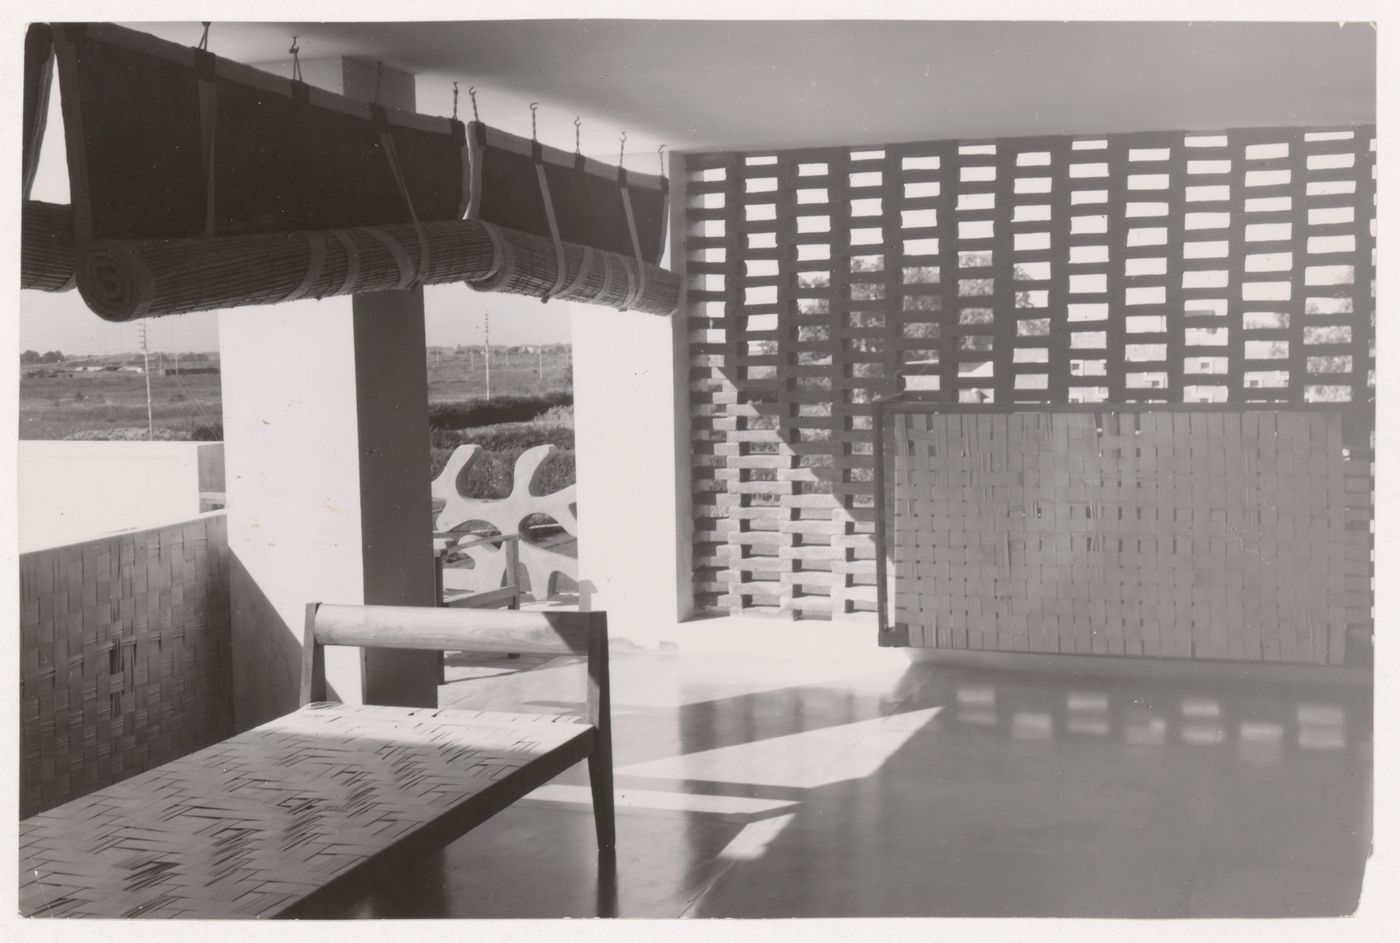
632, 454
326, 456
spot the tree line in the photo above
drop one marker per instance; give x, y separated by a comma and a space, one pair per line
33, 356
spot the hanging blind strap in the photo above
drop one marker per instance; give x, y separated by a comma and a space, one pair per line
352, 261
559, 257
665, 217
641, 286
316, 261
396, 249
204, 62
459, 137
610, 263
585, 268
502, 260
476, 153
386, 139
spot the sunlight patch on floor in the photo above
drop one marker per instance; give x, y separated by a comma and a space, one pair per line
753, 839
806, 760
659, 800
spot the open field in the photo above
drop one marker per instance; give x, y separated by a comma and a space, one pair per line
57, 403
458, 374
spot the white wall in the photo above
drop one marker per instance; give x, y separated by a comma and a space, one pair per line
630, 541
72, 491
632, 455
293, 485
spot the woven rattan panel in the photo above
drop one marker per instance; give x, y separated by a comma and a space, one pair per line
124, 657
1176, 267
1239, 534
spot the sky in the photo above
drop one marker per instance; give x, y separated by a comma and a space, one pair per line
455, 314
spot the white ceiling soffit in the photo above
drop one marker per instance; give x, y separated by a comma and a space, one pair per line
781, 84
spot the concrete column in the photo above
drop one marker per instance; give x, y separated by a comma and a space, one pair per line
632, 453
326, 451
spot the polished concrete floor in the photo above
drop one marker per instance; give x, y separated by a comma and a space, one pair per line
763, 787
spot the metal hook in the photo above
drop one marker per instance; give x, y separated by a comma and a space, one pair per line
661, 158
472, 92
622, 148
533, 107
204, 39
454, 101
578, 122
296, 60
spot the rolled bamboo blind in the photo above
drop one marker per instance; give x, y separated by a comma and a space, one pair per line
126, 279
46, 246
204, 184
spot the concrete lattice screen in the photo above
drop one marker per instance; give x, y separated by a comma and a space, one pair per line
1175, 267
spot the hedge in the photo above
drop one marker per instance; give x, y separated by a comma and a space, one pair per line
469, 414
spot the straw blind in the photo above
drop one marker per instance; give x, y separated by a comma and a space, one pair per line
46, 246
38, 82
200, 183
166, 141
125, 279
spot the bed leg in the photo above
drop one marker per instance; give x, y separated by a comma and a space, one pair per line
600, 778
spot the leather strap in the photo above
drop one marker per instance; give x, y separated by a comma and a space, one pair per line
559, 257
386, 138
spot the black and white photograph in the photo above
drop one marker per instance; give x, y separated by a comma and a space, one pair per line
670, 462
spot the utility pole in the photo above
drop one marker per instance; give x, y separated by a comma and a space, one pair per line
146, 354
488, 355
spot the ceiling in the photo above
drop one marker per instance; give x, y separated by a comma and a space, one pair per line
778, 84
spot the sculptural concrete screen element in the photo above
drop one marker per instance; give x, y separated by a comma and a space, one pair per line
507, 516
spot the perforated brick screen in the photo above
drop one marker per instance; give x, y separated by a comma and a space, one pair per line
1177, 267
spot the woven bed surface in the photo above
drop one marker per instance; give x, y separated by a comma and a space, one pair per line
250, 826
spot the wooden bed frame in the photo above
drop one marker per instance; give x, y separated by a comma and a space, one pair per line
303, 815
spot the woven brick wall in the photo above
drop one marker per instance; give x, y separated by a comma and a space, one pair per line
1222, 534
1172, 267
124, 657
